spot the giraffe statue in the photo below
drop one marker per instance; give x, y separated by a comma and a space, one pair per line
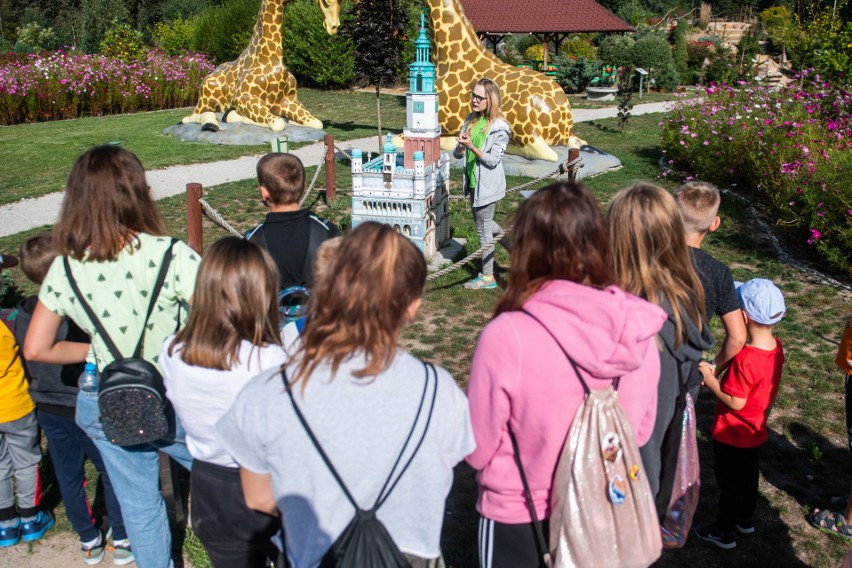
535, 106
256, 88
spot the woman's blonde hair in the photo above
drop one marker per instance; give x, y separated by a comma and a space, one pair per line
107, 201
494, 98
378, 273
235, 299
650, 255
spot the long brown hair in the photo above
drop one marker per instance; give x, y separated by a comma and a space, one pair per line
559, 233
235, 299
494, 98
650, 254
378, 274
107, 201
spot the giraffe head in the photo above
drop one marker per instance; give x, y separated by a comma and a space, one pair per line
331, 14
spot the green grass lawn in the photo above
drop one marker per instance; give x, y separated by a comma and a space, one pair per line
803, 463
37, 157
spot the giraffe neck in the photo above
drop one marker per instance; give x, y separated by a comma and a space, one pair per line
452, 30
267, 28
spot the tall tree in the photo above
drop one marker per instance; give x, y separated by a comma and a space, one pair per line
377, 29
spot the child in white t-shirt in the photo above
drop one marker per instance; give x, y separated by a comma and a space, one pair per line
231, 336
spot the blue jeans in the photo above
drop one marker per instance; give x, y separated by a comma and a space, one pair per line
135, 475
68, 447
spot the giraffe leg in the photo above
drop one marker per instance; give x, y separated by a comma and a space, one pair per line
214, 94
202, 118
252, 110
294, 111
537, 150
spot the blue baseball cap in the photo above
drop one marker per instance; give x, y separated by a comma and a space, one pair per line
761, 300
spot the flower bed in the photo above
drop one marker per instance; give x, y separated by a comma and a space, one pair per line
787, 149
59, 85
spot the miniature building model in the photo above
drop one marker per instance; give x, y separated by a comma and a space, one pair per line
409, 191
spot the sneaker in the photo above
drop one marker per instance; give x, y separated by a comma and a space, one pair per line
35, 529
10, 535
121, 552
746, 526
710, 533
481, 283
94, 553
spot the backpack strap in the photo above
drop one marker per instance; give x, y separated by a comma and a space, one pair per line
385, 492
586, 389
155, 293
539, 533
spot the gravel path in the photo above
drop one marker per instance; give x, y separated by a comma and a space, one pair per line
30, 213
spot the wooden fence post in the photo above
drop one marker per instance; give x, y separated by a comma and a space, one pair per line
573, 154
194, 235
330, 176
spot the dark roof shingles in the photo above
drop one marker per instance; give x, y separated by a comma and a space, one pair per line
531, 16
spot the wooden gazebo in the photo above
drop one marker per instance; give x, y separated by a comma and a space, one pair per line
551, 21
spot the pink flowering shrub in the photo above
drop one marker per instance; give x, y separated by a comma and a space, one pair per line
58, 85
788, 149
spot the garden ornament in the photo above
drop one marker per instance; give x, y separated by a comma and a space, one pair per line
257, 85
535, 106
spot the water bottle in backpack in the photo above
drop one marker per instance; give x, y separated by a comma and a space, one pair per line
88, 381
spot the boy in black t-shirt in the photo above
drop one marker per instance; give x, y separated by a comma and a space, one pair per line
699, 207
291, 235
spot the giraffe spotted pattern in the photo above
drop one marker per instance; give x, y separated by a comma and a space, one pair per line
535, 106
257, 85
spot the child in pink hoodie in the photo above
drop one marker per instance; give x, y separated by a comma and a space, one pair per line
562, 274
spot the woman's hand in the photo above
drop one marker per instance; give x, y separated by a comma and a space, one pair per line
464, 139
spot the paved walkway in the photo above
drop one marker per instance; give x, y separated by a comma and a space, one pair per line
31, 213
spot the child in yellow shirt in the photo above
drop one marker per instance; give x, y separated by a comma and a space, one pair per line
20, 453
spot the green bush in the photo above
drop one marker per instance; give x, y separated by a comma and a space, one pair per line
509, 53
617, 50
651, 52
38, 38
668, 78
634, 12
535, 52
522, 42
579, 47
123, 42
174, 37
574, 75
722, 68
696, 54
310, 53
97, 18
680, 54
222, 32
827, 47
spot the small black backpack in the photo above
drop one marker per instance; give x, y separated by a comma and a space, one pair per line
365, 542
131, 396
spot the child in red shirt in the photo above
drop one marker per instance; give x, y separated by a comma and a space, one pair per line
745, 397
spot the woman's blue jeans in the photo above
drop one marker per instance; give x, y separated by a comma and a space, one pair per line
135, 475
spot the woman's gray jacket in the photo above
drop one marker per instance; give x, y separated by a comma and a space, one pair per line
490, 178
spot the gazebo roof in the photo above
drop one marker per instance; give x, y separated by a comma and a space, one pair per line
541, 16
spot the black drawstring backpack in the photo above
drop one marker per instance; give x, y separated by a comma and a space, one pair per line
365, 542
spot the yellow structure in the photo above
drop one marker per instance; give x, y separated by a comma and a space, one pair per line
535, 106
257, 85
